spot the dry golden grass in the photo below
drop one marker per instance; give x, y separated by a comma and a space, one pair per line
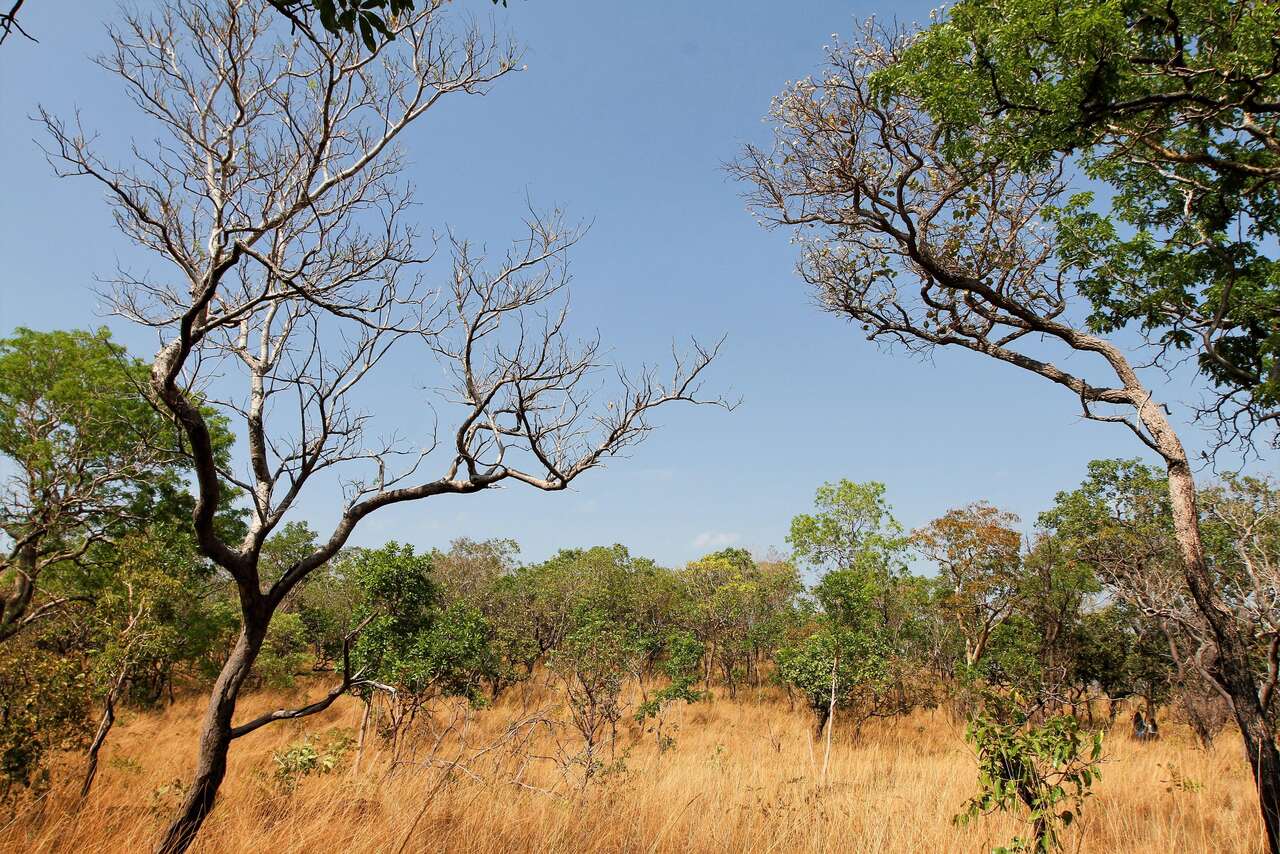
744, 776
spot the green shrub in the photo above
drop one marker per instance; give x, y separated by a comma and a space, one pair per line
311, 756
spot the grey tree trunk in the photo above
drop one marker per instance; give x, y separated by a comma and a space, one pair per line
1234, 665
215, 739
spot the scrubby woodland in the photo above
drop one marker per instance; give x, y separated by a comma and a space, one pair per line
187, 661
598, 675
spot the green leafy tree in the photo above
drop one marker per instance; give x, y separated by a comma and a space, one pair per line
1055, 592
978, 553
852, 658
545, 602
327, 602
159, 609
866, 598
45, 702
593, 664
411, 645
721, 590
1124, 654
87, 457
835, 668
1119, 522
682, 665
852, 527
895, 194
1176, 108
1013, 661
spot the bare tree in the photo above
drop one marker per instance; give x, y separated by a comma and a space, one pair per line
274, 194
928, 244
1246, 512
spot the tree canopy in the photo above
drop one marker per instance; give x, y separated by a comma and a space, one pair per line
1175, 107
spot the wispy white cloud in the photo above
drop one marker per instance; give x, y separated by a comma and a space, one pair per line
716, 539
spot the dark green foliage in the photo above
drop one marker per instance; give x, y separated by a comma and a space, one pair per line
370, 19
846, 665
1124, 654
1013, 660
45, 698
411, 641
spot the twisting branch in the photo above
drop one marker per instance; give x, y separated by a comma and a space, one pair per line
925, 243
878, 200
9, 23
275, 194
350, 681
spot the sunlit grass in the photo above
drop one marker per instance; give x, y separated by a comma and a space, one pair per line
743, 776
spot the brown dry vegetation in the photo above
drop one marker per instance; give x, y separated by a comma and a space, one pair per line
744, 776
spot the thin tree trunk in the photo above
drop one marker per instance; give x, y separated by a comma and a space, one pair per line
364, 727
831, 720
215, 740
104, 728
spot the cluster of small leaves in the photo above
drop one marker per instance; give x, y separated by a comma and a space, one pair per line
1177, 781
1171, 104
44, 700
1043, 770
312, 756
371, 19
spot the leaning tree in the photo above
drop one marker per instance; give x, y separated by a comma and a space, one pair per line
1174, 106
274, 193
926, 243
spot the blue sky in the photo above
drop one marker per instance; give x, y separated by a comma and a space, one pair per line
624, 118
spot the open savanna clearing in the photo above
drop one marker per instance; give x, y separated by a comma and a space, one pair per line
743, 775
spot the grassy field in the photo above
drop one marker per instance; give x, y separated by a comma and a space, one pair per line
742, 776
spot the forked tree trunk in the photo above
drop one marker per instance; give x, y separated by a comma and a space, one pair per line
215, 740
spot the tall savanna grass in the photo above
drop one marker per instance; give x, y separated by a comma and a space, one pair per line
742, 776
